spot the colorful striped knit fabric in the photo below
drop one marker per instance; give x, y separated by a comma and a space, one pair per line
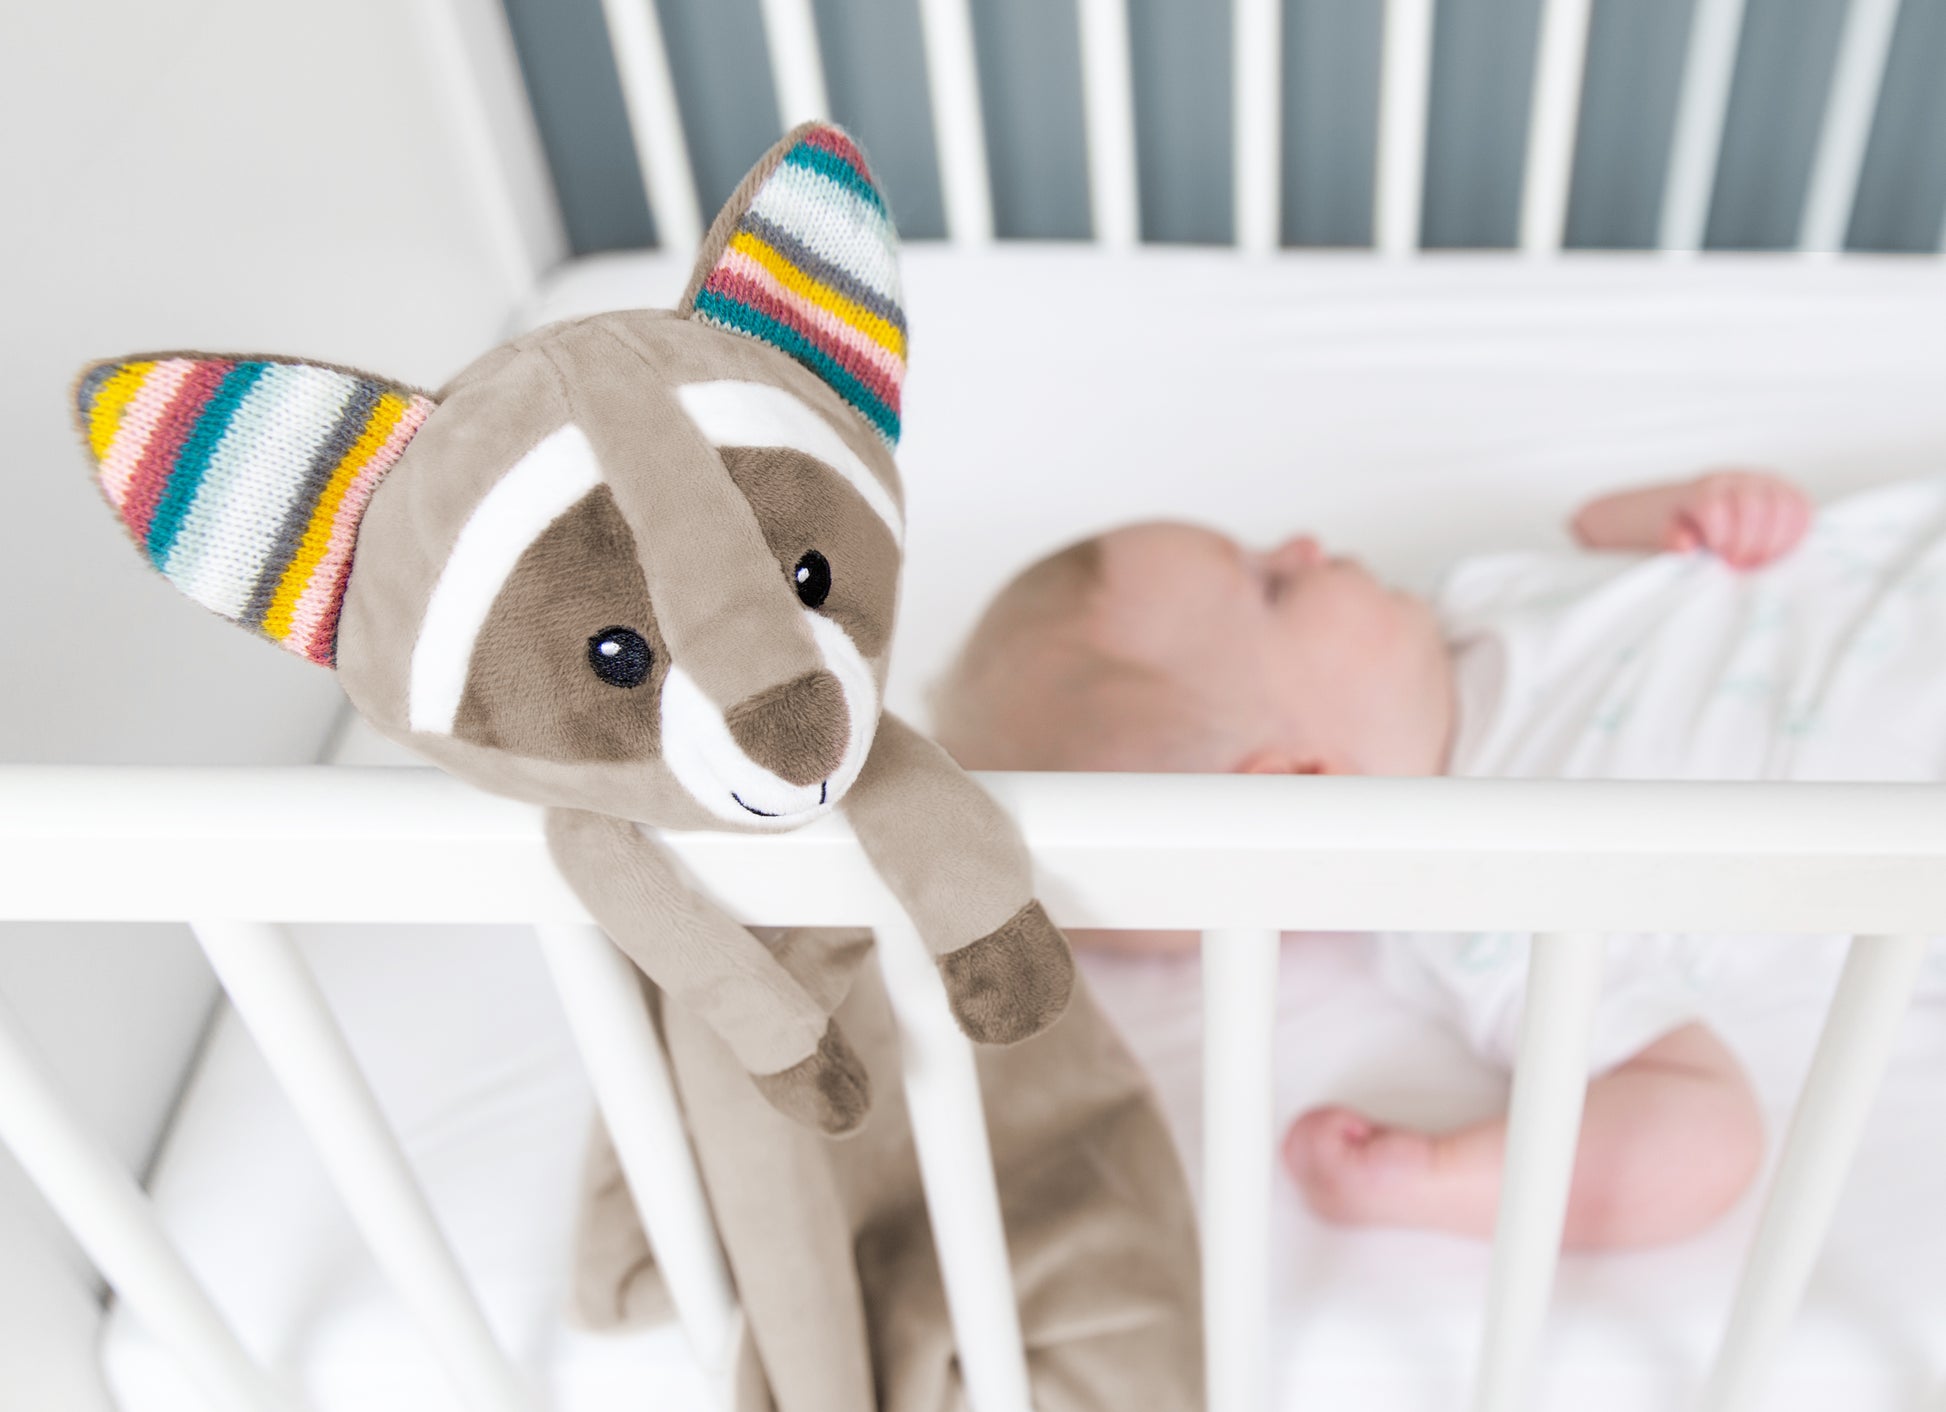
812, 269
243, 480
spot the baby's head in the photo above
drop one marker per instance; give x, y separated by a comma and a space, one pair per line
1169, 647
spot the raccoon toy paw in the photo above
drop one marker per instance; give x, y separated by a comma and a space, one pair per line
829, 1091
1012, 983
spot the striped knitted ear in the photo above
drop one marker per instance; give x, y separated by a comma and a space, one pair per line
804, 258
243, 479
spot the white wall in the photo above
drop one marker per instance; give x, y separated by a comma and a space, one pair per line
233, 176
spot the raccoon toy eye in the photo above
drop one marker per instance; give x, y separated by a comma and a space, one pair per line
619, 656
812, 579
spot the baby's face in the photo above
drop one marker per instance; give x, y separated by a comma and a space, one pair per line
1350, 676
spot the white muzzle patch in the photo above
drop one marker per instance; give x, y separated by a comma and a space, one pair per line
713, 768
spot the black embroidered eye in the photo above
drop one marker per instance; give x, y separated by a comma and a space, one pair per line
619, 656
812, 579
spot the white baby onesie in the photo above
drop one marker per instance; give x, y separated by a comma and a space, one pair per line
1828, 664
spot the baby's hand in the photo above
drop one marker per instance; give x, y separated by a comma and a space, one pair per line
1747, 518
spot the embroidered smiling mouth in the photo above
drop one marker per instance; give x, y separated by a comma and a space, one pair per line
824, 791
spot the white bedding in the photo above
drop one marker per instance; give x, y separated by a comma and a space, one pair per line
1408, 411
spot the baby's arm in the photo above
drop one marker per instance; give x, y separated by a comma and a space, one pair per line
1748, 518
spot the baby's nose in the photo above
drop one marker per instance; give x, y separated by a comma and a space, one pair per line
1303, 550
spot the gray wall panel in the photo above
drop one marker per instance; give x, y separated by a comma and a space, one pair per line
1331, 67
1180, 55
1030, 90
875, 69
1783, 76
1476, 139
722, 75
1902, 189
1636, 50
577, 100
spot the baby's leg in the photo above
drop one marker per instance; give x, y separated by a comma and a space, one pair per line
1669, 1141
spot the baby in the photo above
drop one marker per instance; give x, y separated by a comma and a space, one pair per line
1164, 646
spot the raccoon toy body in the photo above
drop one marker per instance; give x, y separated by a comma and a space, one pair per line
640, 569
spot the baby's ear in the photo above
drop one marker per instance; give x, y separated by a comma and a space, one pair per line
1270, 761
804, 258
243, 479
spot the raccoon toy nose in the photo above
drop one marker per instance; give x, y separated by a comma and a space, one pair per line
798, 730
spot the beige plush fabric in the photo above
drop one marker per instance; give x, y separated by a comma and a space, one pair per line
830, 1245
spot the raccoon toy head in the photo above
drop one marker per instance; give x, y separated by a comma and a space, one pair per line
644, 563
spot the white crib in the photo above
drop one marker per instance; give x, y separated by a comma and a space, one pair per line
1237, 858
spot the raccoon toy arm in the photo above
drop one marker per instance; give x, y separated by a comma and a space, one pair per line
793, 1050
958, 865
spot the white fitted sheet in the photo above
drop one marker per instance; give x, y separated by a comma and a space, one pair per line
1408, 412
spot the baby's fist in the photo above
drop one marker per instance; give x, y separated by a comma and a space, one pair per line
1747, 518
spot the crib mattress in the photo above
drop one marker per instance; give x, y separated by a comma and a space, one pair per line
1055, 391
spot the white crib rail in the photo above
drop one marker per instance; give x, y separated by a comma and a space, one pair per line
1257, 121
602, 994
1714, 30
958, 133
1237, 857
272, 990
117, 1226
796, 65
1543, 1126
654, 121
1855, 85
1852, 1054
1405, 75
1554, 118
1108, 96
1239, 1018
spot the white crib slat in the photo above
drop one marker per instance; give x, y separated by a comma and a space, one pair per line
601, 991
959, 133
1404, 84
654, 121
1551, 125
1855, 84
1108, 90
796, 66
1544, 1125
1257, 120
1860, 1032
279, 1002
1239, 1160
1715, 30
116, 1225
942, 1092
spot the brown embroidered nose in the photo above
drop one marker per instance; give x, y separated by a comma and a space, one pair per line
797, 730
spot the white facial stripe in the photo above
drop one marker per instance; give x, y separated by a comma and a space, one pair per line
517, 511
708, 763
757, 414
845, 662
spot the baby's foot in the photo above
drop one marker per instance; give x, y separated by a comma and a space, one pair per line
1355, 1172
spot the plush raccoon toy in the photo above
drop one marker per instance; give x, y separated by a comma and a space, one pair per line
638, 568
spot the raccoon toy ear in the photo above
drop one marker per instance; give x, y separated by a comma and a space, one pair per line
243, 479
804, 258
